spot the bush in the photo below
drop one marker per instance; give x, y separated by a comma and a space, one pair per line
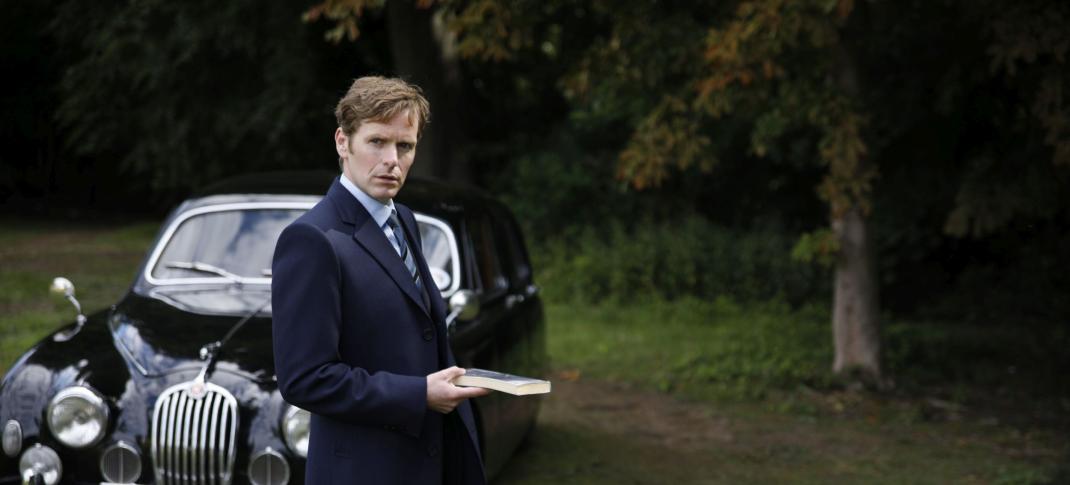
669, 260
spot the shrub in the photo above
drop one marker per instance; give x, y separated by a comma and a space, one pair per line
670, 260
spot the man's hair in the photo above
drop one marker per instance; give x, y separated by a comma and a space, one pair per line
375, 98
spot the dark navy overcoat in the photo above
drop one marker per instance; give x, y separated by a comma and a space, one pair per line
353, 343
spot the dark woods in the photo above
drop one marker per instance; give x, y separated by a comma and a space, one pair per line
652, 149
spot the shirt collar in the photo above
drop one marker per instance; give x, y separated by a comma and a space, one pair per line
378, 210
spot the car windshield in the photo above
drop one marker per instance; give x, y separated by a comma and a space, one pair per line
235, 245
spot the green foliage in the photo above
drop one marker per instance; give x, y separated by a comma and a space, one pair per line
345, 14
672, 259
819, 246
980, 364
949, 113
185, 92
719, 348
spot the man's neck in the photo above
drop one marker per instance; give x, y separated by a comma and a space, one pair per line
379, 211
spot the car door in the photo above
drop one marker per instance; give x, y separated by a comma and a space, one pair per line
487, 341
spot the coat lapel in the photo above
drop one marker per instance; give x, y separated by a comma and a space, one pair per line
372, 238
436, 310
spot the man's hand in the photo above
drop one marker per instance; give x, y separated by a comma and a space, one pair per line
443, 396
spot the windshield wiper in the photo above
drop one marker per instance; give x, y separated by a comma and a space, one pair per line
205, 268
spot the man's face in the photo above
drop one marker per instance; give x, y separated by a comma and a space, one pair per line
378, 156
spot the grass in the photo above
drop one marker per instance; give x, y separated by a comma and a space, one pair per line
100, 260
694, 347
761, 373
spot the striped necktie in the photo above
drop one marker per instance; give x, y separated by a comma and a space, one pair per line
403, 249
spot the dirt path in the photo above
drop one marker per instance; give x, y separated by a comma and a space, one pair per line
650, 419
594, 432
597, 432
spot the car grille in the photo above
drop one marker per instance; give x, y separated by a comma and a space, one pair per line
193, 437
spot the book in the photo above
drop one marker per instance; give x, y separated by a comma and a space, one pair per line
508, 383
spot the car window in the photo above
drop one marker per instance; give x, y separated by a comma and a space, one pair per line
440, 251
239, 242
488, 265
514, 252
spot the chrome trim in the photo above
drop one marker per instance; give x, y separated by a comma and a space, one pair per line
113, 323
182, 452
89, 395
268, 454
120, 447
455, 257
166, 238
34, 462
12, 426
290, 413
63, 286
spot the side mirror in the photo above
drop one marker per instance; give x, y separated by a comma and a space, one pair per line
63, 286
464, 305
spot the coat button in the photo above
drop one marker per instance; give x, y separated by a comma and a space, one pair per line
432, 450
429, 334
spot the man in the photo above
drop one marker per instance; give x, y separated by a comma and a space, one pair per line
358, 324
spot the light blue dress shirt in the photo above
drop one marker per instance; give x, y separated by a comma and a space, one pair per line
379, 211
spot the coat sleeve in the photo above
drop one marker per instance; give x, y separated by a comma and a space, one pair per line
306, 323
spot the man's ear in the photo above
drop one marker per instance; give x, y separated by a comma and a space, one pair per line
341, 143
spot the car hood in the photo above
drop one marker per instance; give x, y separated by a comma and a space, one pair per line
160, 336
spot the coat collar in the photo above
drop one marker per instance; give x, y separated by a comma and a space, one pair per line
371, 237
349, 209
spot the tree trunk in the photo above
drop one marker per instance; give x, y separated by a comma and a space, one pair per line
423, 55
855, 309
855, 326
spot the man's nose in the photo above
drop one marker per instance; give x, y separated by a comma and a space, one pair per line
390, 155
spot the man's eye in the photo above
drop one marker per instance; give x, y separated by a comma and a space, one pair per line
376, 141
406, 146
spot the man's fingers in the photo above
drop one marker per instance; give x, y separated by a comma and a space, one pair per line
452, 373
443, 396
470, 392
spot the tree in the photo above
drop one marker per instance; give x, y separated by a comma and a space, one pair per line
422, 52
780, 65
670, 88
790, 63
178, 94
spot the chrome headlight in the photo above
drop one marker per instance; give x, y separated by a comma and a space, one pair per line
295, 426
40, 461
78, 417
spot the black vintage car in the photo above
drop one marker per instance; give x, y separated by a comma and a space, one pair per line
175, 383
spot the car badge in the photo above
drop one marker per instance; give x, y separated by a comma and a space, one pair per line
198, 388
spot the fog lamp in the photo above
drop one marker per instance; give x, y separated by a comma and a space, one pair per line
78, 417
295, 428
12, 439
40, 461
268, 467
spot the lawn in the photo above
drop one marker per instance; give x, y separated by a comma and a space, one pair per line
688, 391
696, 392
100, 260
